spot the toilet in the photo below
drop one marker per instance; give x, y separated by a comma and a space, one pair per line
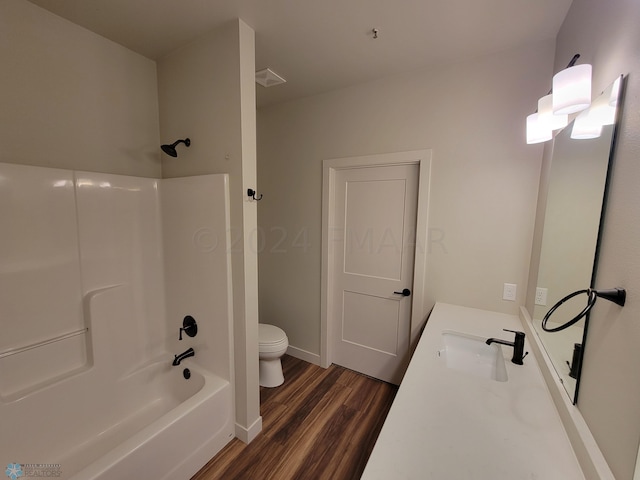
273, 343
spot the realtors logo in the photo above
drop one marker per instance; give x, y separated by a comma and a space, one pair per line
42, 470
14, 470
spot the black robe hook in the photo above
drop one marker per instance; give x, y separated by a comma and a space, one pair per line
252, 193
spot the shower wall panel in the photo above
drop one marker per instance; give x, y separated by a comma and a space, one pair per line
82, 274
198, 244
121, 246
41, 315
77, 249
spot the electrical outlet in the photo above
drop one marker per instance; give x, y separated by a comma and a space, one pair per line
541, 296
509, 292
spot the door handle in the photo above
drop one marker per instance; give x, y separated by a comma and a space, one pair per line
405, 292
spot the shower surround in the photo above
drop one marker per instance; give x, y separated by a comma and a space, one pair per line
97, 272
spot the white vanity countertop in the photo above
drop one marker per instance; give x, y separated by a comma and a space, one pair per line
445, 424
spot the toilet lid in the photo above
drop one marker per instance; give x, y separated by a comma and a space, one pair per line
270, 334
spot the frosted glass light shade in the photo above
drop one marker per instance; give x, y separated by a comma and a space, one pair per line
590, 122
536, 132
603, 108
546, 116
585, 128
572, 89
601, 113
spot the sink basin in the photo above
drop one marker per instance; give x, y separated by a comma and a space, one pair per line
470, 354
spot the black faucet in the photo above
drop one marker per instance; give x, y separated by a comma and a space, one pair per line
517, 344
182, 356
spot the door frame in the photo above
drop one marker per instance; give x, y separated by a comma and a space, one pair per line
423, 159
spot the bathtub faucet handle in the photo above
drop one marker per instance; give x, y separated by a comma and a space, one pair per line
189, 326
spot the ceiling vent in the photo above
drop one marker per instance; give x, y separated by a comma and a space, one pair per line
268, 78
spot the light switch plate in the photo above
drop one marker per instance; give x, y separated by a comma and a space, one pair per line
509, 292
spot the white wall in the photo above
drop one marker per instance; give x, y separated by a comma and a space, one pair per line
72, 99
484, 179
207, 93
606, 34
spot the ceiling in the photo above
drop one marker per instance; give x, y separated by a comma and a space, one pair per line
321, 45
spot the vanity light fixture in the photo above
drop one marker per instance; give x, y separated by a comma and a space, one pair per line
572, 89
584, 129
603, 108
602, 112
571, 93
540, 125
546, 116
537, 132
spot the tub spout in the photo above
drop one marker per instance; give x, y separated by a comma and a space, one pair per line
182, 356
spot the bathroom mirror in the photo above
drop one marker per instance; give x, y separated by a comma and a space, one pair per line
575, 204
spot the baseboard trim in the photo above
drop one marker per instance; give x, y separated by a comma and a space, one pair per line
304, 355
247, 435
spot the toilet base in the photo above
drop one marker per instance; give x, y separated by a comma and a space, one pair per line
270, 372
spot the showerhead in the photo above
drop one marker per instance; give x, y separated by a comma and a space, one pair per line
171, 149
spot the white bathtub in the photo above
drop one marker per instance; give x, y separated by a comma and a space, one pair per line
152, 424
88, 333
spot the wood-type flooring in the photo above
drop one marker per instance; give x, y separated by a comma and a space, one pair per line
320, 424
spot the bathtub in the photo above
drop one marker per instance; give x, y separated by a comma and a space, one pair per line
150, 424
87, 389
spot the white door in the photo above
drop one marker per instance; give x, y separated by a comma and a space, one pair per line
374, 235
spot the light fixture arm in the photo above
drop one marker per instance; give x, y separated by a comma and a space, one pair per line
573, 61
